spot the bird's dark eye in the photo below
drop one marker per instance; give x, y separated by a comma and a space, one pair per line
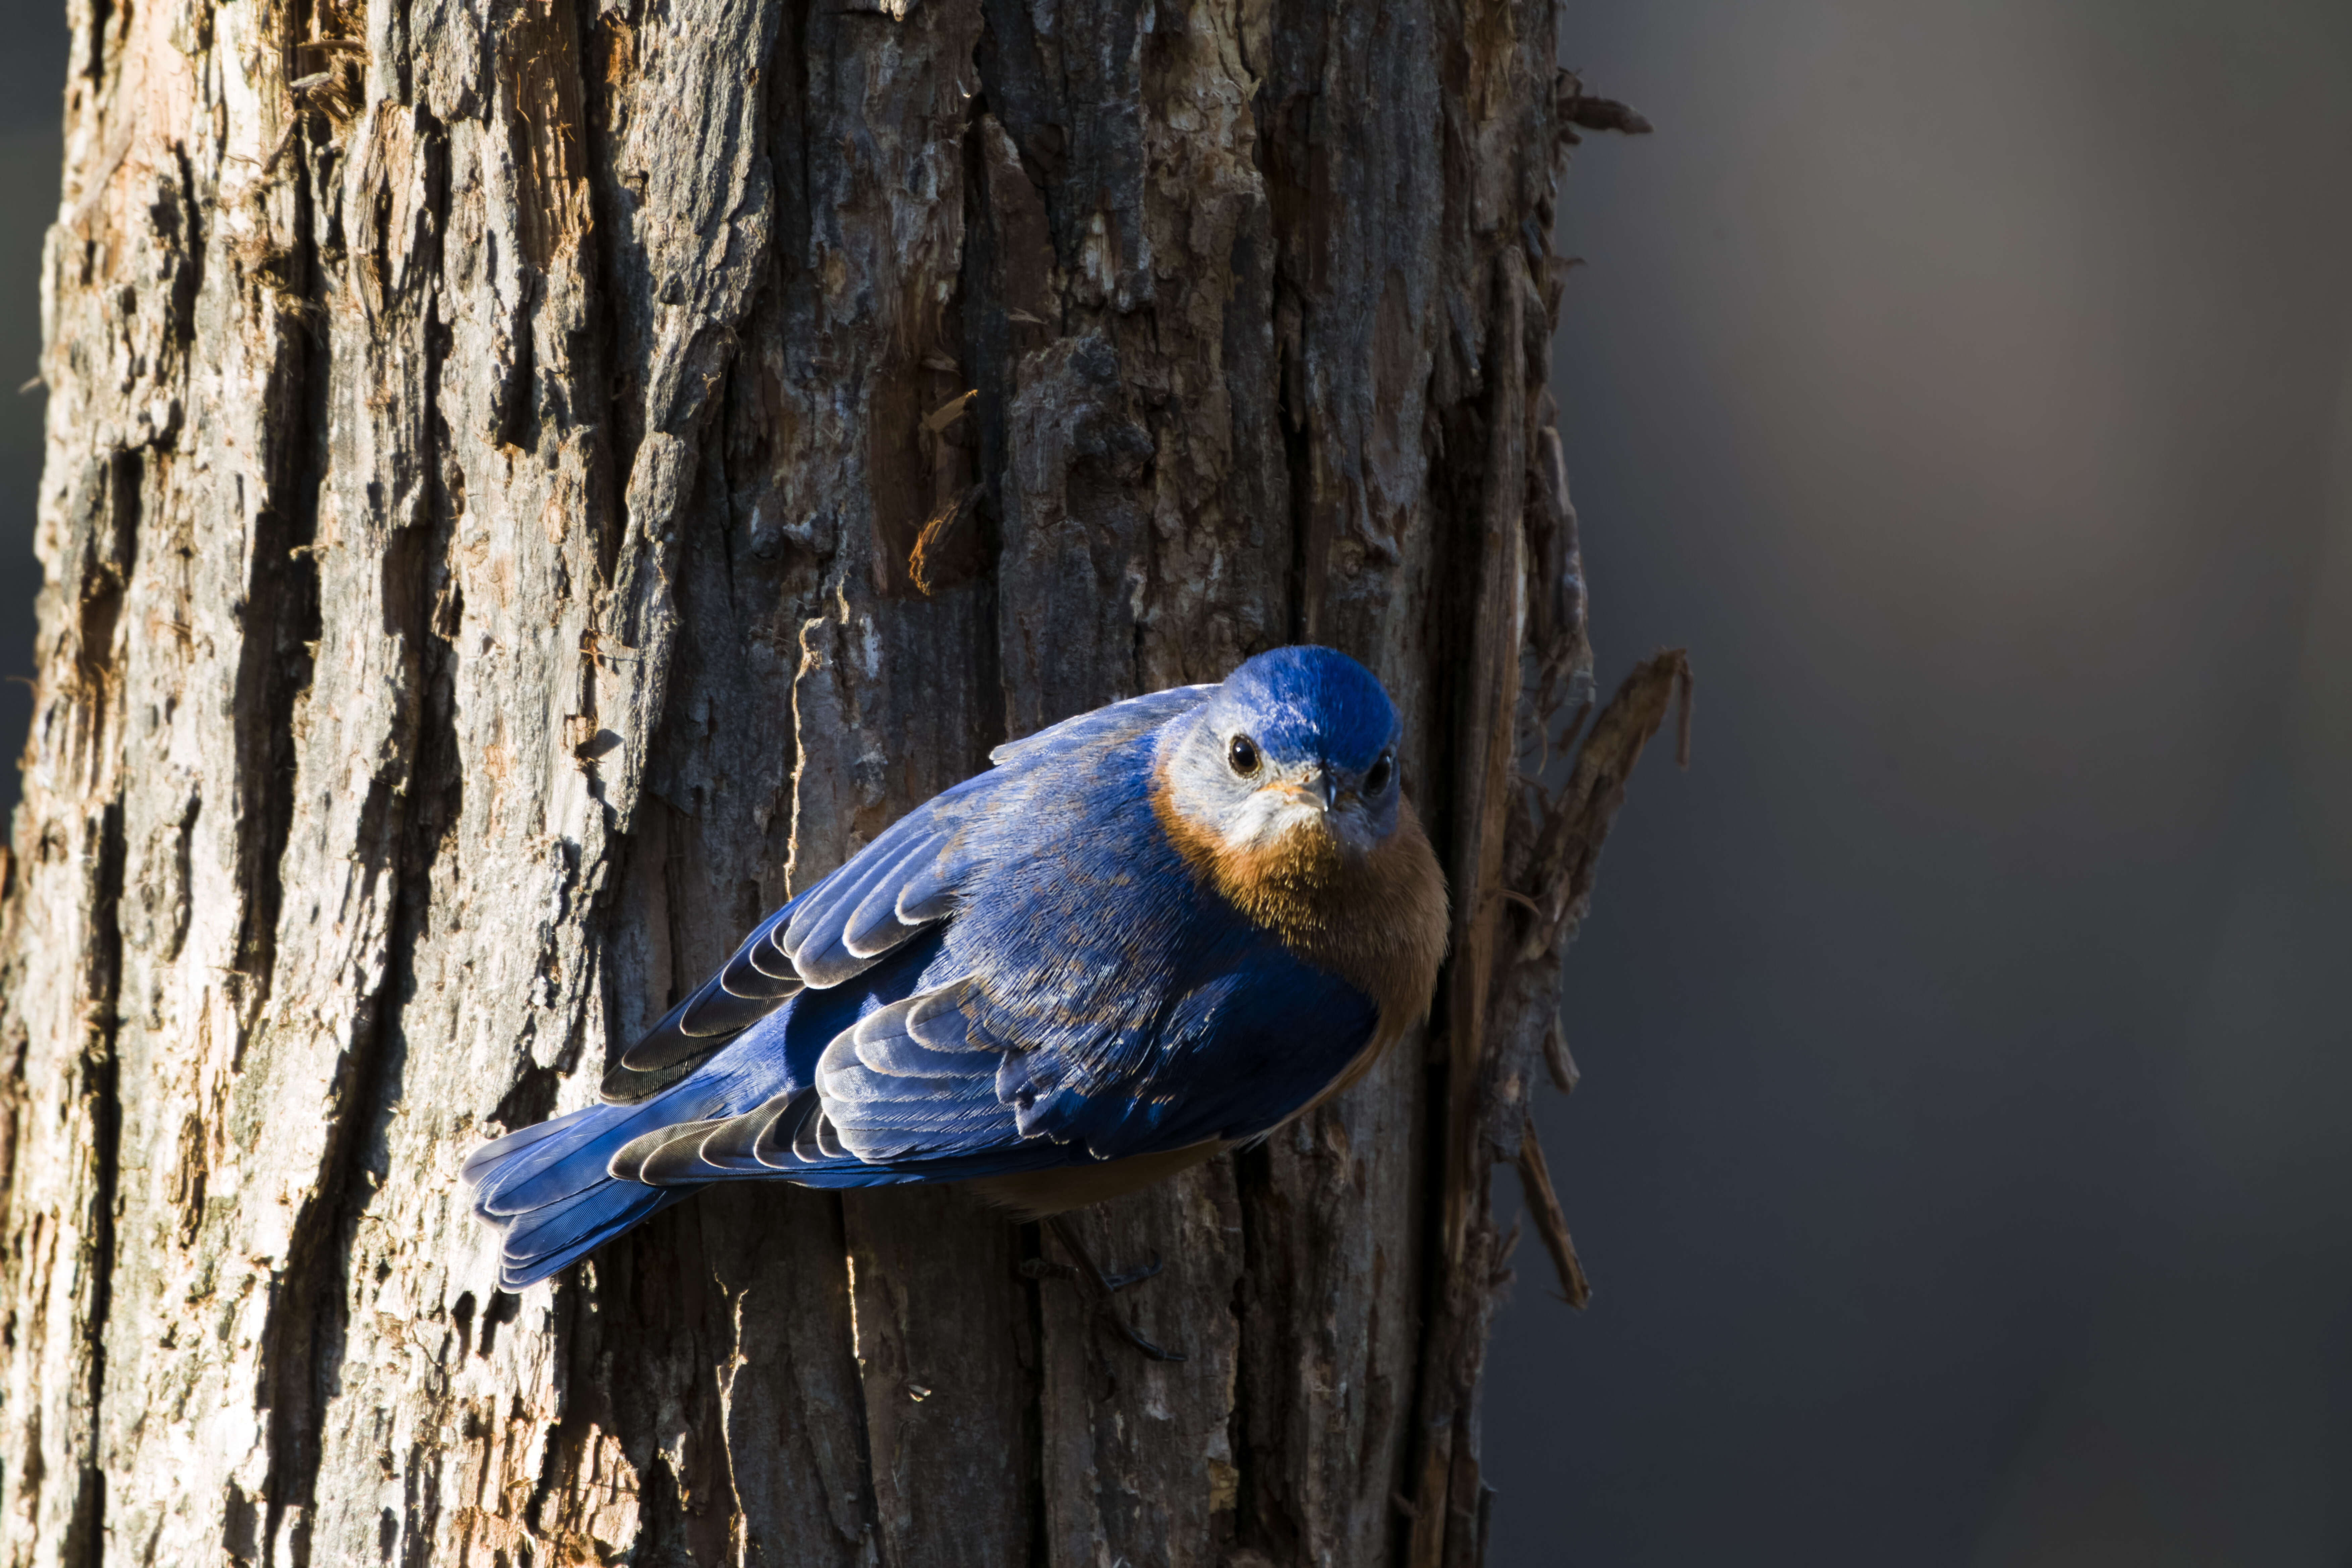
1378, 779
1243, 754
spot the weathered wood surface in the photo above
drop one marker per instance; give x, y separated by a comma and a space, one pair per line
513, 511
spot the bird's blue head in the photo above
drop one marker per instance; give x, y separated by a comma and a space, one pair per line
1296, 741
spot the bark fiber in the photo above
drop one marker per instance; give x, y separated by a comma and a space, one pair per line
530, 482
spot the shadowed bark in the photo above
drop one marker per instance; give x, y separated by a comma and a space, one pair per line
531, 483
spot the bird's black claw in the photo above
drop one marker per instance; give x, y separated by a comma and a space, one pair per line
1127, 1332
1090, 1274
1119, 1282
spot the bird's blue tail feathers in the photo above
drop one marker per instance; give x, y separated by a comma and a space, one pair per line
548, 1192
548, 1189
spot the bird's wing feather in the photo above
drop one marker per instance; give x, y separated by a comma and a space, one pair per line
914, 1092
1137, 713
841, 927
916, 1086
901, 883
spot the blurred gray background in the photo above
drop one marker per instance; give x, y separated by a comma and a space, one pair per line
32, 99
1962, 1156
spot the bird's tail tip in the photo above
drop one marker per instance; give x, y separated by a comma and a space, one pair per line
549, 1192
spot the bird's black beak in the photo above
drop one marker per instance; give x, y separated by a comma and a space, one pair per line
1329, 787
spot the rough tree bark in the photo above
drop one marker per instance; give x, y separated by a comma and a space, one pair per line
531, 482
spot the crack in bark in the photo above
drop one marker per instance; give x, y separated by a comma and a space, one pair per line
284, 585
276, 657
84, 1545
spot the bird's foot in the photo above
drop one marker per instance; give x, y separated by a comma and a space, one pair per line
1116, 1281
1113, 1281
1103, 1285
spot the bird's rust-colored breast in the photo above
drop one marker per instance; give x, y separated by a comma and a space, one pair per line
1377, 920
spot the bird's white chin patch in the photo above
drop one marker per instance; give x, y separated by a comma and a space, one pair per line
1267, 819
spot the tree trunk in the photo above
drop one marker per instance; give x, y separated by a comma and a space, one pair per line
529, 484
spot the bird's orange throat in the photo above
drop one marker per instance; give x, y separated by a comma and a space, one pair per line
1377, 920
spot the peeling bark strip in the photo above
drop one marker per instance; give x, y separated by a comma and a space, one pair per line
530, 483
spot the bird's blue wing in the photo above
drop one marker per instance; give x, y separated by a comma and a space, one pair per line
893, 1089
904, 882
1227, 1058
915, 1090
1113, 722
849, 921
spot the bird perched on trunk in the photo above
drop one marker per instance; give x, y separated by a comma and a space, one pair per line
1143, 936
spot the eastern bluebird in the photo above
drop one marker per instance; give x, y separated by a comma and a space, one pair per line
1143, 936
